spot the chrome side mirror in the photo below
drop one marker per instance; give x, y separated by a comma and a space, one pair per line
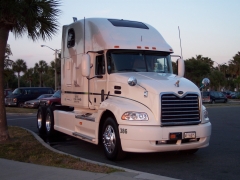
205, 83
132, 81
85, 66
181, 67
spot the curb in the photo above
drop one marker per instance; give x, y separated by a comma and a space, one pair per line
140, 175
21, 114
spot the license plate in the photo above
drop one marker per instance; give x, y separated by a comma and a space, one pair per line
188, 135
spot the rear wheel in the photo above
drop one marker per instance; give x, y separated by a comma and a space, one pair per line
111, 140
49, 122
41, 120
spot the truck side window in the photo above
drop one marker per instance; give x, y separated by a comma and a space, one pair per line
71, 38
100, 65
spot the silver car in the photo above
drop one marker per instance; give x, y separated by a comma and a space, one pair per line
35, 102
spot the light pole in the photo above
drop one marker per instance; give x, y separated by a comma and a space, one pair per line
56, 52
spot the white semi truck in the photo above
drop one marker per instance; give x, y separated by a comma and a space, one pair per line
118, 89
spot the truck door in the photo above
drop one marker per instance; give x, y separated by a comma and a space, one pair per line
100, 82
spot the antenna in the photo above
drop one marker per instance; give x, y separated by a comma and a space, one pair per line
180, 41
84, 36
74, 19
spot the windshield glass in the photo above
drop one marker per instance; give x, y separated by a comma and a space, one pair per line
139, 61
17, 91
57, 94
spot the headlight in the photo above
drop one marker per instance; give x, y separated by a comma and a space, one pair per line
135, 116
205, 115
14, 100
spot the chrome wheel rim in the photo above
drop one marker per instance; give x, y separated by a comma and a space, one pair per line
48, 122
109, 139
39, 120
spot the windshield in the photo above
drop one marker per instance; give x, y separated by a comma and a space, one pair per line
57, 94
139, 61
17, 91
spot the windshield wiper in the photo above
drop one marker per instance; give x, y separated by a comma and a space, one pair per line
134, 70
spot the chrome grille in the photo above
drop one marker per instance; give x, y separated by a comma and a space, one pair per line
180, 110
8, 100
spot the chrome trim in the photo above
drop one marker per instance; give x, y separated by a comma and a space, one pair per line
83, 136
182, 109
83, 117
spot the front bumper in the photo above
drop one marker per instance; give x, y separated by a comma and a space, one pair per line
10, 104
146, 138
30, 105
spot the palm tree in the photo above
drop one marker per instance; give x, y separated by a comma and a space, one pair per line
8, 62
41, 68
18, 67
29, 76
37, 19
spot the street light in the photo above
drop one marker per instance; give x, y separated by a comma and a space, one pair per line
56, 52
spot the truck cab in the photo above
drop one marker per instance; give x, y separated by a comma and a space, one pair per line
117, 74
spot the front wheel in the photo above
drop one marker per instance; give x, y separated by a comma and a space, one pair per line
111, 140
20, 104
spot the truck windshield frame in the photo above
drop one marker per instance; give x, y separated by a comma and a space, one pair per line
122, 61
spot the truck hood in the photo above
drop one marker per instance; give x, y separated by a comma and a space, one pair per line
157, 83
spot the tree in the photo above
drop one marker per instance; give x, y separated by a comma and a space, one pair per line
9, 78
236, 63
217, 79
7, 61
37, 19
197, 68
18, 67
28, 76
41, 68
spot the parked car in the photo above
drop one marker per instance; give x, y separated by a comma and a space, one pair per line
22, 94
35, 103
7, 92
235, 95
228, 94
213, 96
53, 100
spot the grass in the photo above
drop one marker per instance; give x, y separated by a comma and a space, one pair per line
24, 147
20, 110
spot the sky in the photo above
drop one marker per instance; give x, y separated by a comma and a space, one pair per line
210, 28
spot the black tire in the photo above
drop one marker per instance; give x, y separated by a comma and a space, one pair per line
41, 119
213, 101
49, 125
111, 141
20, 104
225, 101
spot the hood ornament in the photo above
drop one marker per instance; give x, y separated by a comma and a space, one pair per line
177, 83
